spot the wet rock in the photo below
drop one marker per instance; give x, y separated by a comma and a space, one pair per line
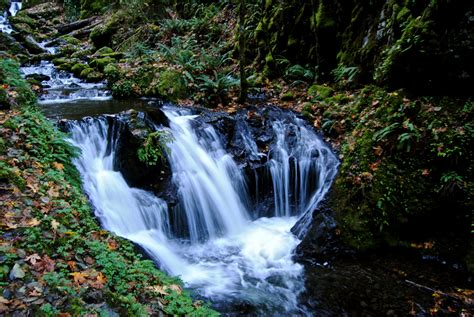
322, 241
47, 11
32, 46
135, 127
38, 77
9, 44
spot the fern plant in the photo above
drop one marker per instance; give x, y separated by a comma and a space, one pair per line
154, 148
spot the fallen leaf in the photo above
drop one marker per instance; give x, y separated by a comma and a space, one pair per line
113, 245
79, 277
33, 222
58, 166
54, 224
33, 258
72, 264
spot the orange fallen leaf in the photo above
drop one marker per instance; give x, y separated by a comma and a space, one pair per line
58, 166
79, 277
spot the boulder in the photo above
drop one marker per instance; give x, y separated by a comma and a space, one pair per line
9, 44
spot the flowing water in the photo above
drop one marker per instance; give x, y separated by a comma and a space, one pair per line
228, 253
5, 26
230, 256
62, 87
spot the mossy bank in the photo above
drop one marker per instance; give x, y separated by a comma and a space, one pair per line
55, 257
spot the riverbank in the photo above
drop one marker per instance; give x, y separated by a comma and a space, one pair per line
405, 182
55, 257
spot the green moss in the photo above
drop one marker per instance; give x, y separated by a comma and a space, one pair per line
403, 13
95, 76
70, 39
23, 18
78, 68
104, 50
323, 17
112, 73
82, 53
68, 49
85, 72
320, 91
101, 35
172, 85
288, 96
100, 63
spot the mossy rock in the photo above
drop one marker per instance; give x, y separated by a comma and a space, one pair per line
101, 63
68, 50
101, 35
172, 85
10, 45
82, 53
23, 18
64, 63
78, 68
91, 7
321, 91
85, 72
287, 96
94, 77
23, 28
115, 55
112, 72
103, 50
70, 39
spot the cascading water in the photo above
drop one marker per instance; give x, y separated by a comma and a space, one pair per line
61, 87
211, 186
5, 27
229, 257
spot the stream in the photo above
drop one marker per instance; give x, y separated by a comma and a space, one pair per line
225, 244
235, 208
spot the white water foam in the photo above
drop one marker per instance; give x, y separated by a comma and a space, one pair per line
63, 87
5, 26
229, 258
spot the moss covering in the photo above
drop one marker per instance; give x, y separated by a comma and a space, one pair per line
405, 164
51, 237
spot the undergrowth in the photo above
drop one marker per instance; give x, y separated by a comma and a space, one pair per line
55, 257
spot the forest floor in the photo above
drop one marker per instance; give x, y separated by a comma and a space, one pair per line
399, 152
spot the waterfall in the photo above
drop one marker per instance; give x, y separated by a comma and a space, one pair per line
5, 27
230, 257
62, 87
129, 212
302, 169
211, 186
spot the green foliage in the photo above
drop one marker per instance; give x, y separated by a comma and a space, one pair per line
11, 80
402, 159
216, 87
343, 73
154, 147
56, 225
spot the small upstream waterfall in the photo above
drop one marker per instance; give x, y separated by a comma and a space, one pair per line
230, 257
5, 27
61, 86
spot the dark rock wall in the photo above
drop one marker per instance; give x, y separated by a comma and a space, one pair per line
426, 46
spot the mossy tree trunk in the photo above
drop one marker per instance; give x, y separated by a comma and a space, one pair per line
242, 45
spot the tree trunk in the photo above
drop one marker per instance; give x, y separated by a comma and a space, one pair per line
242, 43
